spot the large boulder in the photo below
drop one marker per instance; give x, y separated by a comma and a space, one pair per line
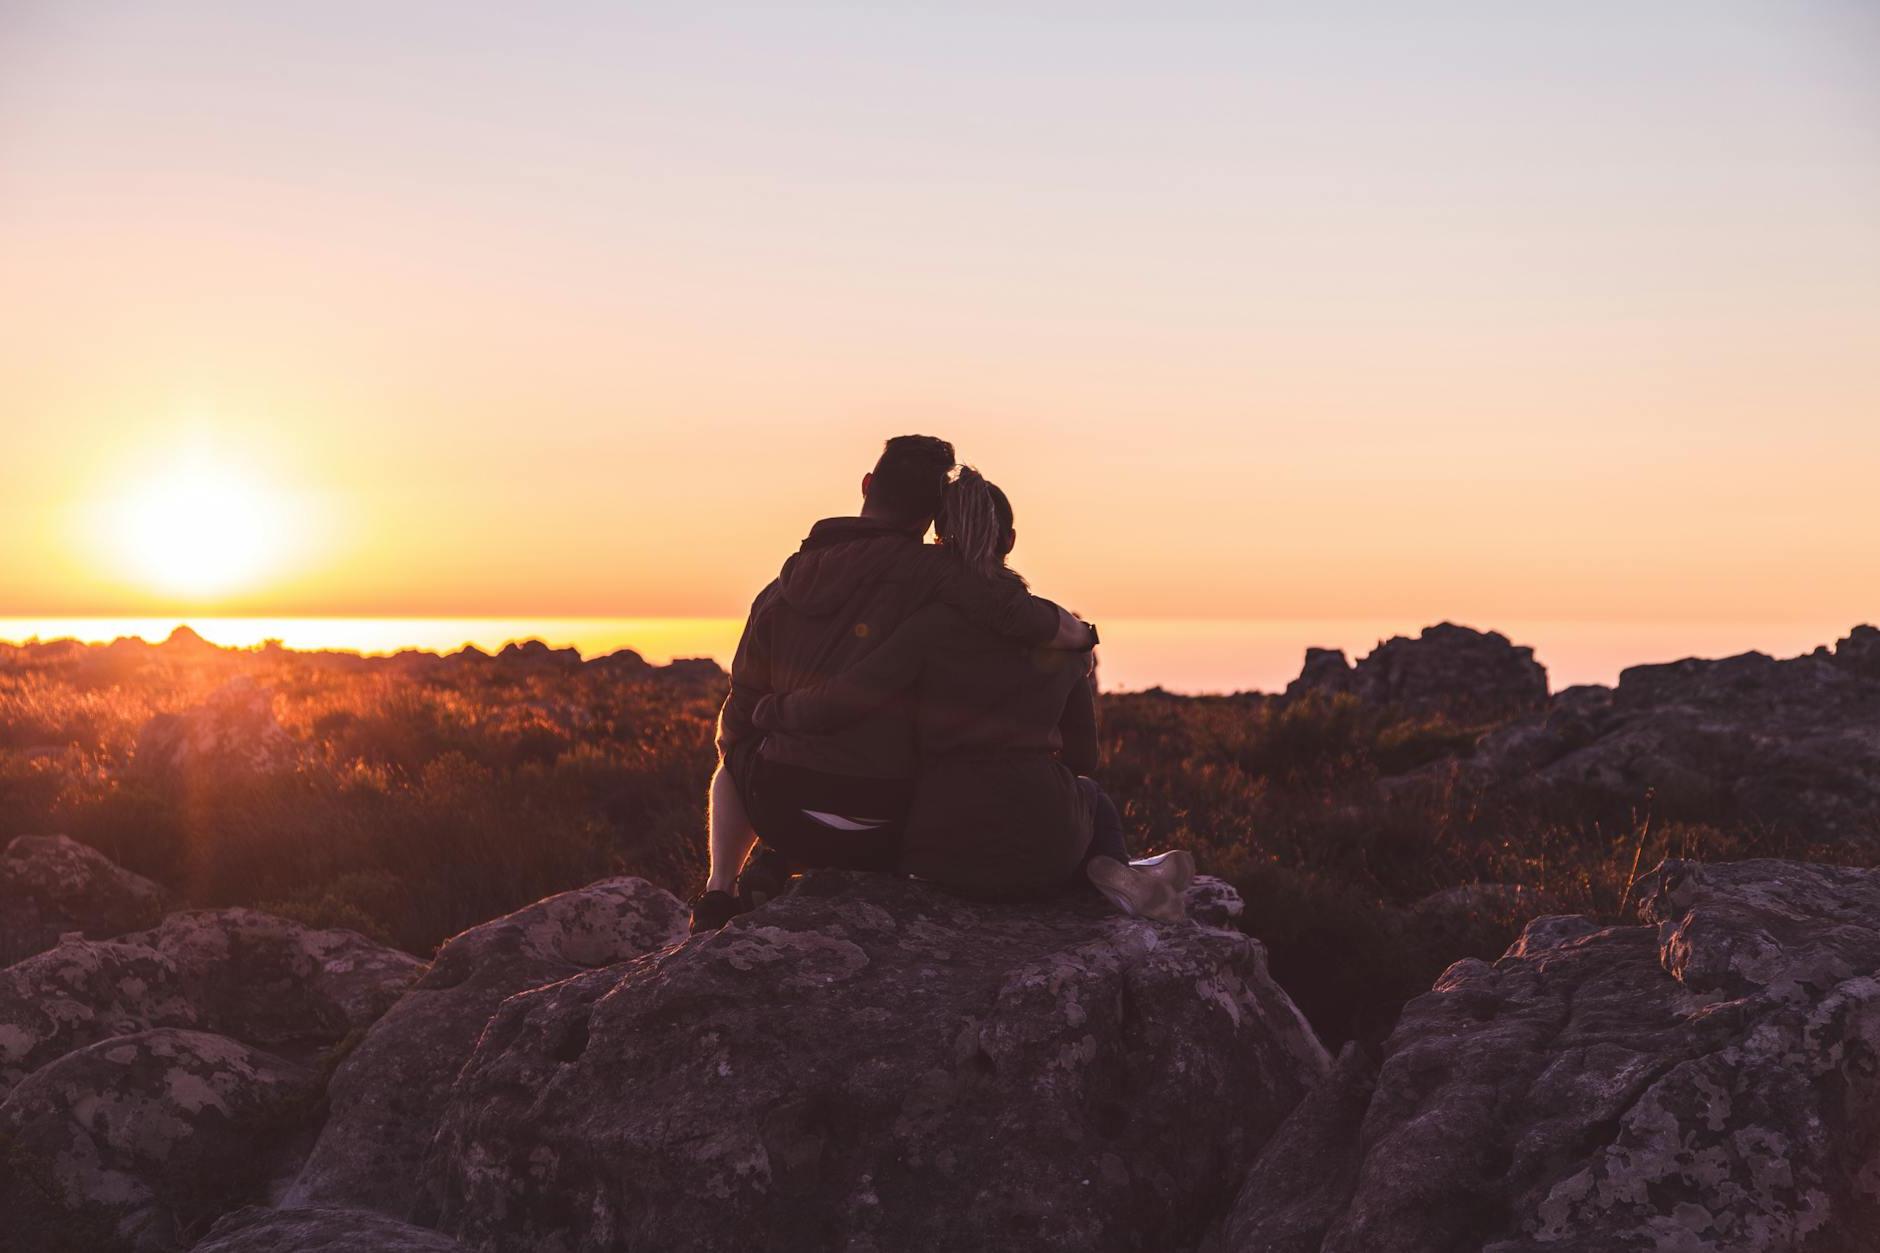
1791, 744
387, 1095
273, 981
79, 993
258, 1230
873, 1064
1466, 675
1706, 1081
233, 728
139, 1142
51, 885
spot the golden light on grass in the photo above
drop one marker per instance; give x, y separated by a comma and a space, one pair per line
198, 526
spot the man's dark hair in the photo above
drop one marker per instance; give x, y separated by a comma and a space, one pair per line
910, 478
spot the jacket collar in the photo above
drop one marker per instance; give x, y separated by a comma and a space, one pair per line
844, 530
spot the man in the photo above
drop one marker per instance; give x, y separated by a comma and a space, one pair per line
839, 798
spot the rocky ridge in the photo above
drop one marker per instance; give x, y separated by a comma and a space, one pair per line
871, 1064
1707, 1080
1786, 744
1466, 675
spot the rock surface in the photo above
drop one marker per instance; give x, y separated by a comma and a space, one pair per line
870, 1064
1466, 675
234, 727
272, 981
1708, 1081
79, 993
51, 885
140, 1141
387, 1095
1793, 743
256, 1230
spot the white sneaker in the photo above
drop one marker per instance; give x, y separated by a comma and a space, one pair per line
1150, 888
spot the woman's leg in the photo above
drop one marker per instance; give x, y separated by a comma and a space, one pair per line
731, 833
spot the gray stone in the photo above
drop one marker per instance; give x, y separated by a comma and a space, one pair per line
233, 728
1705, 1081
139, 1142
272, 981
51, 885
387, 1096
79, 993
1789, 744
872, 1064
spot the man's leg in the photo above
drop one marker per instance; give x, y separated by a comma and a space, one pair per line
731, 833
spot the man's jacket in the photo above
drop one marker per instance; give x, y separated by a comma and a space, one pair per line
843, 593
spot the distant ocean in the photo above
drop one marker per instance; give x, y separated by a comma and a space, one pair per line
1182, 655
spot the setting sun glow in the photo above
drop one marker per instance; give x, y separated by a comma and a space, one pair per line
199, 526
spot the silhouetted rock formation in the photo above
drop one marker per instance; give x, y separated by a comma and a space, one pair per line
1705, 1081
1467, 675
871, 1063
387, 1097
536, 653
1789, 743
50, 885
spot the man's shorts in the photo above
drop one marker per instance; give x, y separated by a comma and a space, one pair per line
817, 819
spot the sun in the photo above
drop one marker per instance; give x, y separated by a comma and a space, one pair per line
199, 525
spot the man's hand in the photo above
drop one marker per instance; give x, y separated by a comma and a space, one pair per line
1073, 632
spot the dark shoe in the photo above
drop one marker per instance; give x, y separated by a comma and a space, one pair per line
712, 910
765, 877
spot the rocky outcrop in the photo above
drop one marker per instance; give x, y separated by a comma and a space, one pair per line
51, 885
387, 1095
1468, 676
272, 981
534, 654
257, 1230
873, 1064
261, 979
234, 728
139, 1142
1793, 744
79, 993
698, 671
1704, 1081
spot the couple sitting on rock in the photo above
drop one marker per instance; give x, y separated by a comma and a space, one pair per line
912, 708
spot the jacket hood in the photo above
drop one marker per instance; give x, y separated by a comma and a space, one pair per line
837, 558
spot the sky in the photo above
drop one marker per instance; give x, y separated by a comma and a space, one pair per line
1466, 310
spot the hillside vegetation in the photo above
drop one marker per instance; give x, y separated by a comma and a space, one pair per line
414, 796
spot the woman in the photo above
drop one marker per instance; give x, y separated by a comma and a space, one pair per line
1003, 806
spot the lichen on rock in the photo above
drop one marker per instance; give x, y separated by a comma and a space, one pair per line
388, 1094
1704, 1081
874, 1064
51, 885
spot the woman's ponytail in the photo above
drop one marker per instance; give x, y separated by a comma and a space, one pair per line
974, 522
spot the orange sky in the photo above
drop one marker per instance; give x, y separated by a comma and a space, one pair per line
1310, 312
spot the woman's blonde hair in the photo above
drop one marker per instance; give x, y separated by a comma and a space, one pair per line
975, 522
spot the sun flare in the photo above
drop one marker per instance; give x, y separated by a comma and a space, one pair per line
198, 526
